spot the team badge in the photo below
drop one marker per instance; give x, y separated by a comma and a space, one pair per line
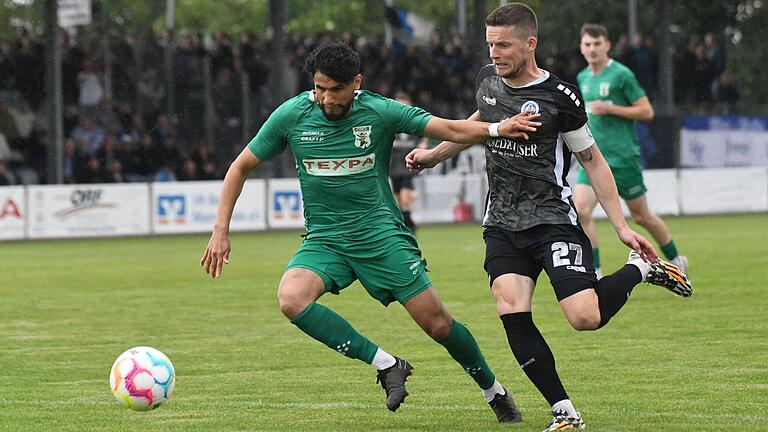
530, 106
605, 89
362, 136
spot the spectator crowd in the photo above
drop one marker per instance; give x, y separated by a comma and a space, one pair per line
118, 127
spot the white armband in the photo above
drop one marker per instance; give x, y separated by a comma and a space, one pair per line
579, 139
493, 129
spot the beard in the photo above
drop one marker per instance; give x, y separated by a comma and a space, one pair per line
515, 71
337, 114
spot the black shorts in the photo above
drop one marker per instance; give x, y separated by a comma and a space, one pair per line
563, 251
402, 182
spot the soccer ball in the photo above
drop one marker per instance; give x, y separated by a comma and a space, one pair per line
142, 378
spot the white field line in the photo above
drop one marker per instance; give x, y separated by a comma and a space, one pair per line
358, 406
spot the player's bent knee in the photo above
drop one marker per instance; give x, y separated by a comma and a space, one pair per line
639, 218
440, 327
585, 322
291, 300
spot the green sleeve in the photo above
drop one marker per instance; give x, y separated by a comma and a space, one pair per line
272, 138
631, 88
405, 119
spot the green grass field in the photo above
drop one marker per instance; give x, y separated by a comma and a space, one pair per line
68, 308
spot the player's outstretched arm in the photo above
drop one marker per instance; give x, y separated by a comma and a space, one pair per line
472, 132
600, 175
515, 127
217, 252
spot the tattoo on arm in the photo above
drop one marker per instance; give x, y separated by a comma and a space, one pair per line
585, 155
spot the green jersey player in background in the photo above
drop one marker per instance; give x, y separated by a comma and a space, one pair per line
614, 100
342, 139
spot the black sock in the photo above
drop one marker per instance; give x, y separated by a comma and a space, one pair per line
613, 291
533, 355
408, 221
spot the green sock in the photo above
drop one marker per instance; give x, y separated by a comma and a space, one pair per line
596, 257
669, 250
463, 348
326, 326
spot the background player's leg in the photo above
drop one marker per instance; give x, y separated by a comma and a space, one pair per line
299, 288
585, 199
405, 200
643, 216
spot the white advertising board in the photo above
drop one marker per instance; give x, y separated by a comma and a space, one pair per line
74, 12
449, 198
190, 207
719, 141
725, 190
13, 212
93, 210
285, 207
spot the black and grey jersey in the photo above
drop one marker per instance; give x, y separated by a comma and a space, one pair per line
527, 185
401, 146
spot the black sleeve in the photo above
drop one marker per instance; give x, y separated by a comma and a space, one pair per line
484, 73
571, 113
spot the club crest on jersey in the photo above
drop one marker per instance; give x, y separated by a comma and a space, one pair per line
605, 89
362, 136
530, 106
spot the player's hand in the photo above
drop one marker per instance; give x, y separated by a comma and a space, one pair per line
637, 242
600, 108
216, 254
420, 159
517, 126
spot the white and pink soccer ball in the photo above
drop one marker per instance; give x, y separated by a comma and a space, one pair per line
142, 378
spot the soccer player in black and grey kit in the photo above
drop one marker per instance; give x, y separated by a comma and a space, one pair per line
530, 220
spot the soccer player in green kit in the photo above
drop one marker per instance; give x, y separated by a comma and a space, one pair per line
614, 100
342, 139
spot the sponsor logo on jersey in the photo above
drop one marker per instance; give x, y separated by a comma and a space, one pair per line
362, 136
312, 136
489, 100
580, 269
513, 148
171, 209
530, 106
339, 167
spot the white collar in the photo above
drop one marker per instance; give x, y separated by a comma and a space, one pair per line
538, 80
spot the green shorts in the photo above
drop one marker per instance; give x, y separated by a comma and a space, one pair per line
386, 260
629, 181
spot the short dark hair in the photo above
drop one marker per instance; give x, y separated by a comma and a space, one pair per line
336, 60
594, 30
519, 15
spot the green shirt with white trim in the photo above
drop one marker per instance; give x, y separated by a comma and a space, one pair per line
614, 135
343, 165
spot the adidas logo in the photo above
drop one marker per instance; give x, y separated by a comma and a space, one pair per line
489, 100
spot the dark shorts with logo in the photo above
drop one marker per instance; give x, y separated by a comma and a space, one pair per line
401, 182
385, 259
562, 251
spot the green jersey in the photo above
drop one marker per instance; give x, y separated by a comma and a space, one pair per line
343, 165
616, 84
